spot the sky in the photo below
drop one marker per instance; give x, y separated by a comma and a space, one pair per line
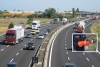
59, 5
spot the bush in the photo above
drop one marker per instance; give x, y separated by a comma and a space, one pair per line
29, 21
11, 25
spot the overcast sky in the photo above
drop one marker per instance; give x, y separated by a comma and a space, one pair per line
41, 5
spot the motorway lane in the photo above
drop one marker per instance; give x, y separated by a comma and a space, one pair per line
61, 48
94, 58
10, 52
62, 51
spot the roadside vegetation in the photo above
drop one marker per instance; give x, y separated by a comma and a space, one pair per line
47, 16
95, 28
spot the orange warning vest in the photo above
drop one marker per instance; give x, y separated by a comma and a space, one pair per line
84, 43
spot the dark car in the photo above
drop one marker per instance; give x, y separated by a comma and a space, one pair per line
48, 30
69, 65
30, 46
12, 64
28, 35
45, 32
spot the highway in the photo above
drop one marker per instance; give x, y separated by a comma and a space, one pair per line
17, 53
62, 52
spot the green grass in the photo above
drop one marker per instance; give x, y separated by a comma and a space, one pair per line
96, 29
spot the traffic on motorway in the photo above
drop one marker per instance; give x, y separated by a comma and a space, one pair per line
18, 37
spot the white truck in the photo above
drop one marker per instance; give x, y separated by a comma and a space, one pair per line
82, 23
20, 26
64, 20
14, 35
56, 20
35, 24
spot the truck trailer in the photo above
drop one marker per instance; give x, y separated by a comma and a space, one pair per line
14, 36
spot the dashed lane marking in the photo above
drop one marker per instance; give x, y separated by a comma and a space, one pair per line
25, 45
87, 59
92, 65
17, 53
99, 52
83, 53
65, 44
2, 49
8, 46
34, 37
68, 58
22, 49
67, 52
11, 60
65, 47
31, 39
65, 41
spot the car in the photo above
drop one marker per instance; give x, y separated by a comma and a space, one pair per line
28, 35
69, 65
33, 32
40, 36
30, 45
45, 32
12, 64
48, 30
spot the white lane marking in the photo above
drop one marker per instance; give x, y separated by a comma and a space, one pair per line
87, 59
92, 65
17, 53
65, 41
22, 49
8, 46
83, 53
34, 37
25, 45
65, 44
52, 48
67, 52
11, 60
68, 58
66, 35
31, 39
2, 49
65, 47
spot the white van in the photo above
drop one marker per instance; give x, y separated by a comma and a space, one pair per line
35, 24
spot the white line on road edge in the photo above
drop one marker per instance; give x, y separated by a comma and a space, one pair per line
92, 65
11, 60
8, 46
17, 53
2, 49
67, 52
68, 58
87, 59
51, 50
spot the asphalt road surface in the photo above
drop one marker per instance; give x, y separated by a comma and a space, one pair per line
17, 53
62, 52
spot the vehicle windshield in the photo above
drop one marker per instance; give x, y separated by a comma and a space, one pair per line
28, 34
69, 66
55, 19
30, 43
10, 35
34, 23
40, 35
11, 66
32, 31
35, 29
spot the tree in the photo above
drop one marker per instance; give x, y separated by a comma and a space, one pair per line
11, 25
50, 12
0, 13
74, 13
77, 10
29, 21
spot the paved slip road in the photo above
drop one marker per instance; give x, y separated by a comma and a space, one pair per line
62, 53
17, 53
